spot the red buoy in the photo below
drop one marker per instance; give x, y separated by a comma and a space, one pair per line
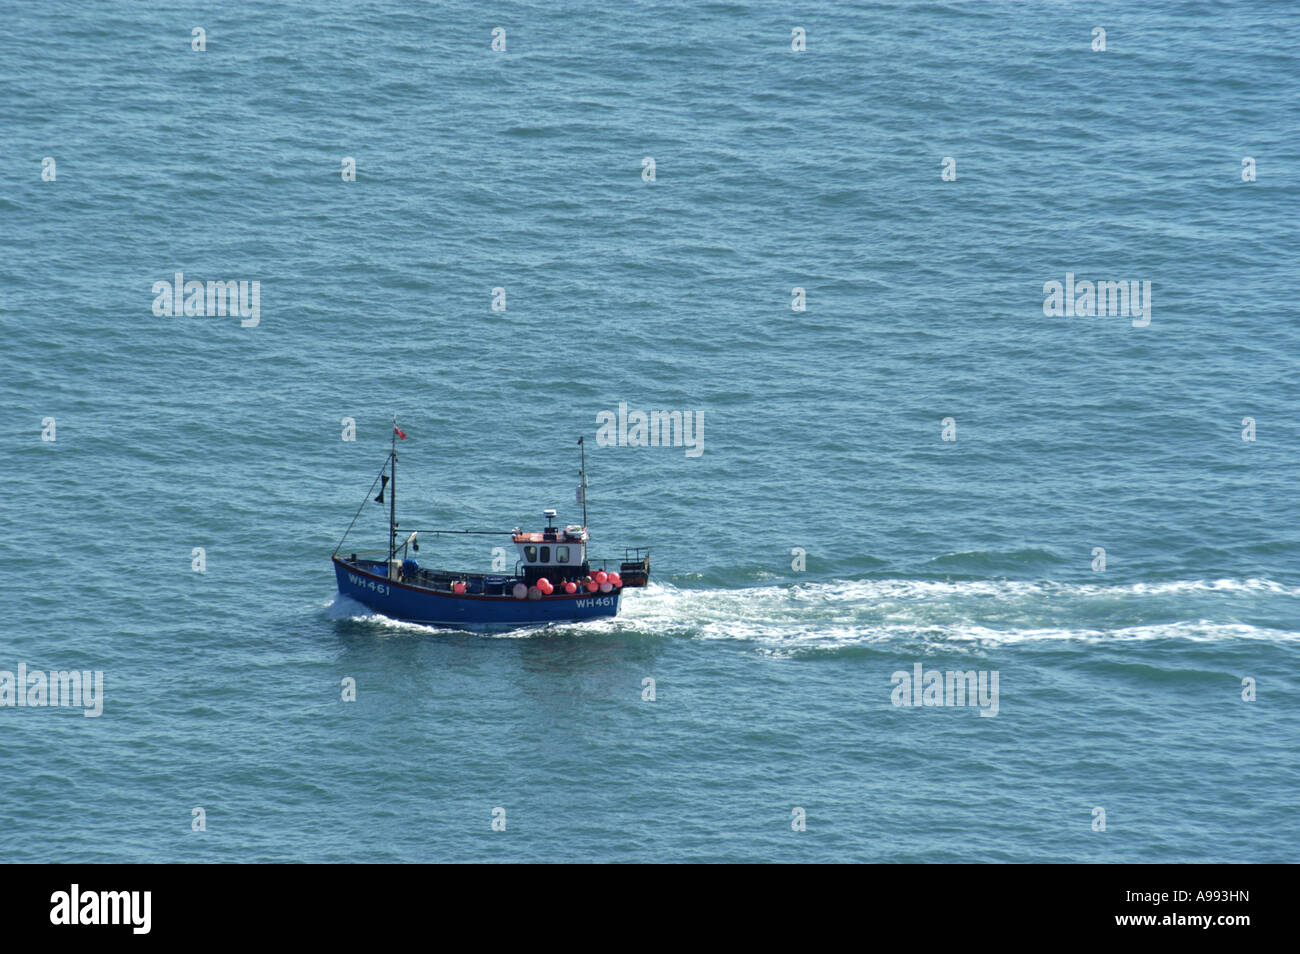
600, 576
458, 587
545, 586
616, 579
570, 587
592, 586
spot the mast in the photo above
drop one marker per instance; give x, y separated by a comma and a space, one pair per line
582, 487
392, 500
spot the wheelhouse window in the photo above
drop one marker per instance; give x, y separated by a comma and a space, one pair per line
530, 554
546, 554
561, 554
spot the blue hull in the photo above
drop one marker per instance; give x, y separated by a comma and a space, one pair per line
417, 605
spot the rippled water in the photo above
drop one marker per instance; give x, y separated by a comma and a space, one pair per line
1119, 688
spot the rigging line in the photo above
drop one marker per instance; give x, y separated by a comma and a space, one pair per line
364, 501
484, 533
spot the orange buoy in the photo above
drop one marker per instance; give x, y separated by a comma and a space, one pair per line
570, 586
545, 586
600, 576
615, 579
458, 587
592, 586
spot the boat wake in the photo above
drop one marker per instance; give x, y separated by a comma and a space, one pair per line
346, 609
841, 613
847, 612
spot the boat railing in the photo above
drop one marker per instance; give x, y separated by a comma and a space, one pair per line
635, 561
368, 555
490, 584
421, 573
633, 558
563, 571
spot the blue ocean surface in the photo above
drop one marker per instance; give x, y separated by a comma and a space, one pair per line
828, 233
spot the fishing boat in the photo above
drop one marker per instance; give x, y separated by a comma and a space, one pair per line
554, 580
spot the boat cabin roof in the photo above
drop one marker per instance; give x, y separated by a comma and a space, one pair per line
558, 536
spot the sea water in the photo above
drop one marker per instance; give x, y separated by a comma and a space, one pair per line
957, 573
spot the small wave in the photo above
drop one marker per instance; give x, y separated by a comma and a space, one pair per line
987, 561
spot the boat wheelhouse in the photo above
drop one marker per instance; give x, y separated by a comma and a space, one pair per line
554, 579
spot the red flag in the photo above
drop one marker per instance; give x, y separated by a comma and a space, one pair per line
398, 431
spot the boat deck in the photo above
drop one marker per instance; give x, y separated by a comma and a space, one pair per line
633, 573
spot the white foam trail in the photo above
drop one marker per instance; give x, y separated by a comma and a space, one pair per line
345, 608
852, 612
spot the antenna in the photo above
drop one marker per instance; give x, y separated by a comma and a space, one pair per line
392, 501
582, 487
